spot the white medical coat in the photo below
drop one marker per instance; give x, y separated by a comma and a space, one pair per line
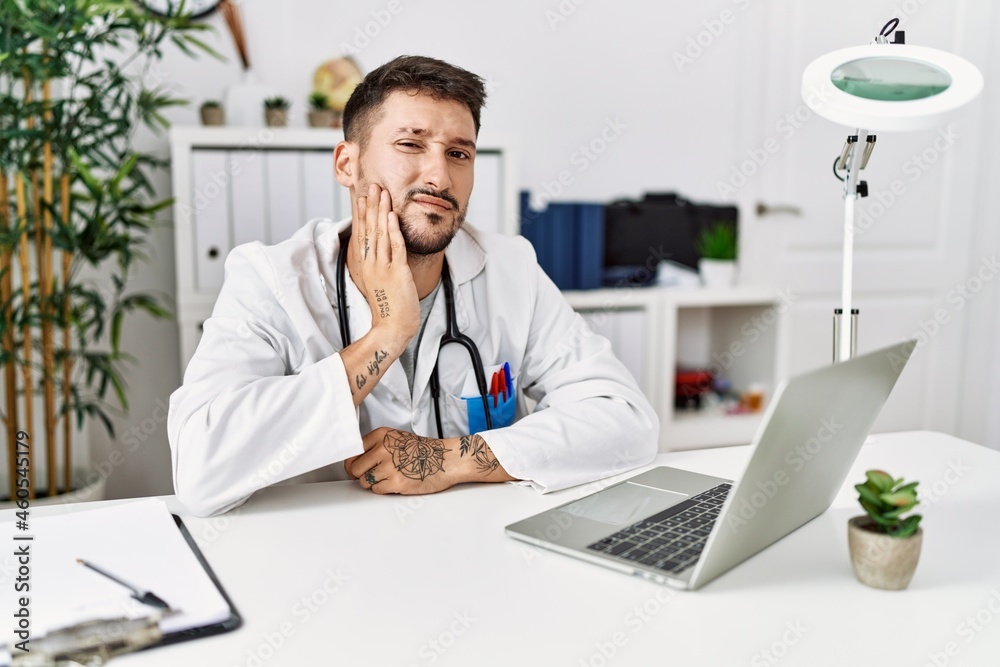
266, 398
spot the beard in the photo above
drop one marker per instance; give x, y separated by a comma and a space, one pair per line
432, 234
437, 232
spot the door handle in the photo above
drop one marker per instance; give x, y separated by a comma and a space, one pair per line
787, 209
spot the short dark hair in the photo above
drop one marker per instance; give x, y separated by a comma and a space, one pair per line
417, 74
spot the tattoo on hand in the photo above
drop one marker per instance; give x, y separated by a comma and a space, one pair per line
415, 457
480, 451
366, 247
383, 303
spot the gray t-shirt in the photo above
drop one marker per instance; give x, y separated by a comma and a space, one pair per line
409, 356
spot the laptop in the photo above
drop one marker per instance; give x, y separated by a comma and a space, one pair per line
684, 529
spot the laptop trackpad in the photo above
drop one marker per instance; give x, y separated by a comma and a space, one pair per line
624, 504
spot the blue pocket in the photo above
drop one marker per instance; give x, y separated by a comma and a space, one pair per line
502, 415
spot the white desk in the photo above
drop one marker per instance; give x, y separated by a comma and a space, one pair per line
330, 574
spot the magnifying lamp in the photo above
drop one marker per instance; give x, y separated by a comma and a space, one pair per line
884, 87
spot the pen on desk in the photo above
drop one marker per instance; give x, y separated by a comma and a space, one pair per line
146, 597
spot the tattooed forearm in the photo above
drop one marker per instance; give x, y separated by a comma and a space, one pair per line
415, 457
361, 381
480, 452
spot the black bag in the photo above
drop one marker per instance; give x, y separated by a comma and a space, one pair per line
639, 234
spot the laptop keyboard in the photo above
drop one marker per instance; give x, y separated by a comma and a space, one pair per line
671, 540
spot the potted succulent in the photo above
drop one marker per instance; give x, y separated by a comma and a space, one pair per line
885, 545
212, 113
276, 111
716, 246
76, 213
320, 114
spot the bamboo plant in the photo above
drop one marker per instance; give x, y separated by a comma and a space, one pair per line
77, 79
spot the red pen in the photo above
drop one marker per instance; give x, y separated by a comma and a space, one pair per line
493, 390
502, 381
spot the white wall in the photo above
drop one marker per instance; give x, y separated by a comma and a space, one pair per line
559, 72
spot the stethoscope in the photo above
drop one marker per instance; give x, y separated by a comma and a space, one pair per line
451, 334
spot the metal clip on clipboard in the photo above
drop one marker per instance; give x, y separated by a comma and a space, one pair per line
91, 643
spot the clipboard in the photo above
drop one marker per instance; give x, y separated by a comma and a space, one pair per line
134, 544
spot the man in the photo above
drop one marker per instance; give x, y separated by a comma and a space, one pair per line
278, 390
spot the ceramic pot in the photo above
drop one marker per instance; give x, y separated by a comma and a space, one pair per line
276, 117
321, 118
717, 272
880, 560
213, 116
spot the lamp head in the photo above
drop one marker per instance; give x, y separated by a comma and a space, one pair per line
889, 87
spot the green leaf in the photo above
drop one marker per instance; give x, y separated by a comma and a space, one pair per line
880, 480
205, 47
900, 498
908, 526
116, 331
868, 495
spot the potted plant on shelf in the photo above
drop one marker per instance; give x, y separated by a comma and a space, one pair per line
75, 215
212, 113
716, 246
884, 545
276, 111
320, 115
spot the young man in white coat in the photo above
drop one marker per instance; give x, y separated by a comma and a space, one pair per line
299, 378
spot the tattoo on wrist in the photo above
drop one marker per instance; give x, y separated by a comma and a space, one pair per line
480, 452
383, 303
413, 456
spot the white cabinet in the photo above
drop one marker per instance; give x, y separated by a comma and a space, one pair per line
737, 333
234, 185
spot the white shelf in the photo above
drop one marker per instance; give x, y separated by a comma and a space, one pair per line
737, 330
